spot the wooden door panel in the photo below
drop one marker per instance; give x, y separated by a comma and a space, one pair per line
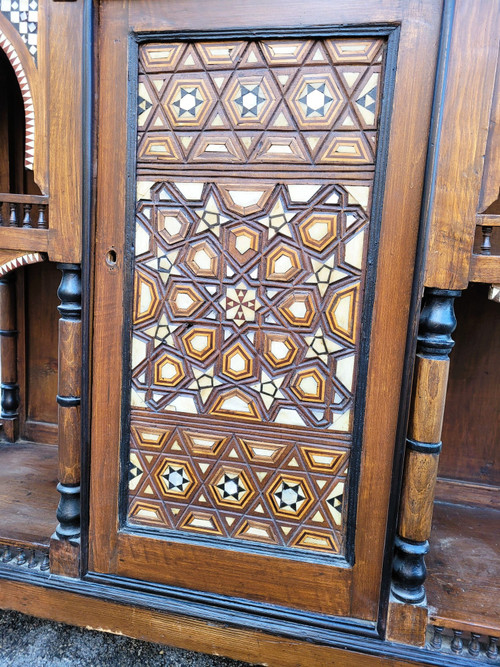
255, 164
248, 285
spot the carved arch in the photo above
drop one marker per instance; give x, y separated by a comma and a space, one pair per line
22, 62
10, 260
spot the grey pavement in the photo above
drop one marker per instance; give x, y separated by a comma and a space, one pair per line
27, 641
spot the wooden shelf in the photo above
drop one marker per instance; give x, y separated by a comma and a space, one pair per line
28, 495
485, 269
463, 581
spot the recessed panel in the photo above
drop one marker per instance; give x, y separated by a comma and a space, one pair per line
255, 164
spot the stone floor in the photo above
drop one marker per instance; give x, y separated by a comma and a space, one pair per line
27, 641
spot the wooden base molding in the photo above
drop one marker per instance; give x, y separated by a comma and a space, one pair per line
182, 631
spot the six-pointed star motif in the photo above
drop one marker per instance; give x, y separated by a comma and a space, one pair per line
187, 101
316, 99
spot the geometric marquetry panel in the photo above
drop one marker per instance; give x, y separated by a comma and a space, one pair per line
255, 163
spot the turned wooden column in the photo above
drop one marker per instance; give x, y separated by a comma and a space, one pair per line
9, 400
64, 556
407, 611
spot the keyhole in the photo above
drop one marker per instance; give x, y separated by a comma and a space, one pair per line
111, 257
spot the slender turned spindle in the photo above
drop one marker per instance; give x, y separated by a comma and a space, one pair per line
27, 216
437, 639
486, 244
1, 214
474, 645
13, 215
42, 220
68, 398
492, 651
457, 644
9, 399
423, 444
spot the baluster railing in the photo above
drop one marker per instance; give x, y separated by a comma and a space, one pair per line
23, 211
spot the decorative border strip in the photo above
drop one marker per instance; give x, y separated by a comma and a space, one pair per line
479, 645
22, 260
29, 109
34, 558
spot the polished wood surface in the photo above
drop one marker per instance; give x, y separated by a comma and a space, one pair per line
41, 281
463, 584
65, 130
28, 496
417, 496
188, 633
134, 555
466, 117
471, 429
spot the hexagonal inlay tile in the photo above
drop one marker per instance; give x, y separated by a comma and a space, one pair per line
318, 230
188, 101
282, 264
243, 243
250, 100
175, 478
309, 385
173, 225
168, 371
199, 342
289, 496
237, 363
202, 260
279, 349
315, 99
184, 300
231, 487
298, 308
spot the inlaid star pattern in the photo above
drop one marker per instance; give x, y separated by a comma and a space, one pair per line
236, 368
269, 388
250, 100
278, 219
211, 218
240, 304
204, 382
176, 479
316, 99
230, 487
187, 101
289, 497
164, 264
162, 332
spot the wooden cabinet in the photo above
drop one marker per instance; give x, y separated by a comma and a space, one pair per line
247, 206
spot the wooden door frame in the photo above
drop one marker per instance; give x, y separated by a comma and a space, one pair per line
397, 242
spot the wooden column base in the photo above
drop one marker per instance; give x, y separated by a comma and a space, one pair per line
64, 558
406, 623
